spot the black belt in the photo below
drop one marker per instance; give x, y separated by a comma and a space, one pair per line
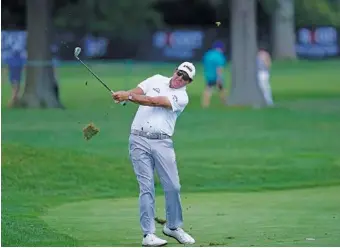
150, 135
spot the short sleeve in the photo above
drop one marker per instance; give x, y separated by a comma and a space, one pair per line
178, 100
145, 85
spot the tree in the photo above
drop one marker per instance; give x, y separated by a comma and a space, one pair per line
317, 12
121, 18
244, 87
40, 86
283, 30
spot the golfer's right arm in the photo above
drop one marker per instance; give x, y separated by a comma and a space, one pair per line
143, 86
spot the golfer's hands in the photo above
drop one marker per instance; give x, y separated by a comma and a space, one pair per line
120, 96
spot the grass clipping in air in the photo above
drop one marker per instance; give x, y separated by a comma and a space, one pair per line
89, 131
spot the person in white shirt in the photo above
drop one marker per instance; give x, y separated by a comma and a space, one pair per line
263, 75
162, 99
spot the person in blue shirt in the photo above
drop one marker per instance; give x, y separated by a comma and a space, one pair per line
16, 65
214, 62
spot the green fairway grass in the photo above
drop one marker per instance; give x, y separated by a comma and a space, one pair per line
285, 218
250, 177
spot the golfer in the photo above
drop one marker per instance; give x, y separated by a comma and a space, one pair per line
162, 100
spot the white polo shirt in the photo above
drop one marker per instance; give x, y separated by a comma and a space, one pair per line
160, 119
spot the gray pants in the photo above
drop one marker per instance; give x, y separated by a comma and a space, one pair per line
147, 155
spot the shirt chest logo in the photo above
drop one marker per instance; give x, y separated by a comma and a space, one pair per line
157, 90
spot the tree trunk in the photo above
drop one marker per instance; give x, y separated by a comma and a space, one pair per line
244, 88
40, 86
283, 30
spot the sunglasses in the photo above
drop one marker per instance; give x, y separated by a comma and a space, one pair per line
184, 75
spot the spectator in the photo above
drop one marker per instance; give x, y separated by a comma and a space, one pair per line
15, 67
214, 62
263, 75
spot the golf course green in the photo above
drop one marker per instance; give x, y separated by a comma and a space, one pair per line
249, 177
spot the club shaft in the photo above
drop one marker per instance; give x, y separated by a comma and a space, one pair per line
122, 103
95, 75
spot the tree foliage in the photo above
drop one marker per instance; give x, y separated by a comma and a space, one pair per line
125, 18
311, 12
317, 12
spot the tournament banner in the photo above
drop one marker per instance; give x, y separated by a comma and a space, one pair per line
94, 47
168, 45
160, 45
62, 47
13, 40
174, 45
317, 42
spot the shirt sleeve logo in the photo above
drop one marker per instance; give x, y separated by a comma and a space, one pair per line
174, 97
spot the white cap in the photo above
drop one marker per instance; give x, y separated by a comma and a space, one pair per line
188, 68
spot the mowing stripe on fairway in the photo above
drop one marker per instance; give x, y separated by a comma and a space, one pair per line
272, 218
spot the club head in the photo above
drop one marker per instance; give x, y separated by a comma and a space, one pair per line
77, 51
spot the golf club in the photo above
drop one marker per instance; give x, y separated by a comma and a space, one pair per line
77, 51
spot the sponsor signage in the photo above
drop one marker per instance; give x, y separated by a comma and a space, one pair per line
170, 45
178, 44
318, 42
